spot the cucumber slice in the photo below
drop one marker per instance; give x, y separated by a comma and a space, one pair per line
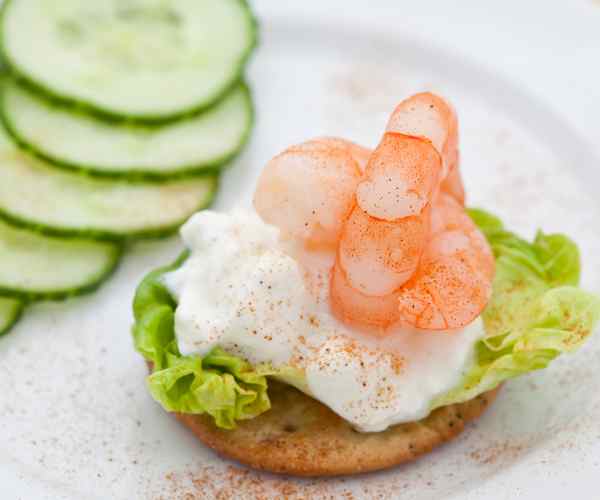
149, 60
10, 312
38, 267
80, 141
52, 201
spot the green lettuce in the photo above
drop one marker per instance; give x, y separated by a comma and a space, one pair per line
536, 312
224, 386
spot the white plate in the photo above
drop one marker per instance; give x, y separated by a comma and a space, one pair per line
75, 418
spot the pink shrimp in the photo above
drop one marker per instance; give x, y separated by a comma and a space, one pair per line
379, 256
431, 117
428, 116
454, 280
401, 178
358, 309
386, 234
391, 220
308, 191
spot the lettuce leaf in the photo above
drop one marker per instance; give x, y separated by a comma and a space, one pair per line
536, 312
224, 386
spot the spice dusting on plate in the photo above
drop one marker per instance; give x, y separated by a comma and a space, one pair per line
229, 483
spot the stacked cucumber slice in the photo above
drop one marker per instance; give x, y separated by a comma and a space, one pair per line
143, 59
10, 312
35, 194
117, 118
35, 267
195, 145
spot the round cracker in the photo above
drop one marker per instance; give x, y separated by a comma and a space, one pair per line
302, 437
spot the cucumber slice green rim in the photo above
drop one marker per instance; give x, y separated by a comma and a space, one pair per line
138, 60
51, 201
77, 141
10, 313
38, 267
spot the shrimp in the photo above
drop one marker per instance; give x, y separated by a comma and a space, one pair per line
428, 116
431, 117
355, 308
387, 226
308, 192
454, 280
401, 178
379, 256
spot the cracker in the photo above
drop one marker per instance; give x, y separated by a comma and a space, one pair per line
302, 437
